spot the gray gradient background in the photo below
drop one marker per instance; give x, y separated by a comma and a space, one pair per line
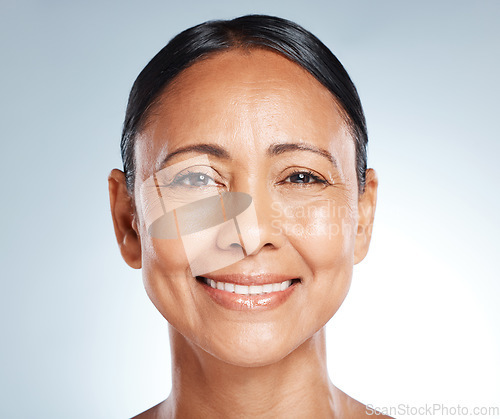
80, 338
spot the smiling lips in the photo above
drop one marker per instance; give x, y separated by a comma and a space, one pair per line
248, 289
243, 292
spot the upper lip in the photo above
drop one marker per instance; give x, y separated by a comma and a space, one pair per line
251, 279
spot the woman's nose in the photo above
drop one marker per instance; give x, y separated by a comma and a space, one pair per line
255, 224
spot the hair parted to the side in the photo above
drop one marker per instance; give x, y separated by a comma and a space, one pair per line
251, 31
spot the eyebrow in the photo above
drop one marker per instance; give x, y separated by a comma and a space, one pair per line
276, 149
273, 150
211, 149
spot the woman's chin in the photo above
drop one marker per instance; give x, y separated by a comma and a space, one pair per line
251, 358
251, 352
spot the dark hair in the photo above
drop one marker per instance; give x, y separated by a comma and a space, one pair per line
251, 31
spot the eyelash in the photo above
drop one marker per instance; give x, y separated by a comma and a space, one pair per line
178, 180
181, 177
316, 178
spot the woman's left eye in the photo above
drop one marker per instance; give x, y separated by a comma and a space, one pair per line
304, 178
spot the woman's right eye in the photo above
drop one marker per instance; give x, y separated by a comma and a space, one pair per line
193, 179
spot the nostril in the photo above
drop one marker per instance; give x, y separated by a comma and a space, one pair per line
236, 246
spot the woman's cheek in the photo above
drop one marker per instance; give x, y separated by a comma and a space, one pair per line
164, 271
322, 234
160, 251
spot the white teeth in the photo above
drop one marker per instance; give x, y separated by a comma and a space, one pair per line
248, 289
267, 288
241, 289
255, 289
285, 285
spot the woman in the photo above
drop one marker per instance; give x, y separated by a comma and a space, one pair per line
246, 201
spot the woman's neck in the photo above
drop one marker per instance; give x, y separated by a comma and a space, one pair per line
296, 386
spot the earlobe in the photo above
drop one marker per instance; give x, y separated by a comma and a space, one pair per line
366, 212
123, 213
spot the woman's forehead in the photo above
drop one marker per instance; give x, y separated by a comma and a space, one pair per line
247, 78
255, 96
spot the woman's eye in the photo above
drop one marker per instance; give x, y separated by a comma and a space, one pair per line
196, 179
304, 178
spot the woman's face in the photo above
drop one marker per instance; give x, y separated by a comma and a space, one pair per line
256, 123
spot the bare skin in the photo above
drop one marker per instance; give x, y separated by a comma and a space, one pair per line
304, 394
253, 363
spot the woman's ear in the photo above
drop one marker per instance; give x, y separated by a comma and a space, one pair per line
124, 221
366, 211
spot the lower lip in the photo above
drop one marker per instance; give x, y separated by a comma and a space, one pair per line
234, 301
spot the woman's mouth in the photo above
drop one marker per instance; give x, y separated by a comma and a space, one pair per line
241, 292
248, 289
